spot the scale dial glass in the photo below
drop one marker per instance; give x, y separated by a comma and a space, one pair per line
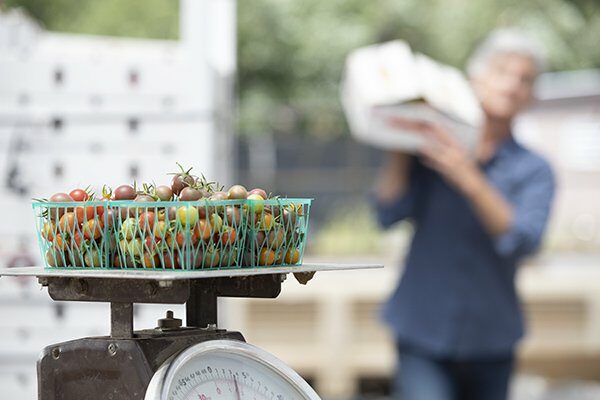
229, 369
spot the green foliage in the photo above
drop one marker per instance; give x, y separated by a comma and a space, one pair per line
157, 19
291, 52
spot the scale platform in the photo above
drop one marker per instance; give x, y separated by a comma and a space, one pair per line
159, 275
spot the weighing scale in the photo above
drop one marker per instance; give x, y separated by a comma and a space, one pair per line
170, 362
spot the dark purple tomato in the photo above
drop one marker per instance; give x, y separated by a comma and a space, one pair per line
125, 192
189, 194
219, 196
164, 193
181, 181
54, 213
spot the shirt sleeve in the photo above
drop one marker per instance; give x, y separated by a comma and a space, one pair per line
388, 213
531, 204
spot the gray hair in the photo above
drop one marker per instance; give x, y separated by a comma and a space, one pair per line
505, 41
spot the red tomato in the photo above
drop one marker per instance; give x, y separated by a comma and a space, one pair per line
146, 221
202, 230
228, 237
48, 231
266, 257
84, 214
169, 263
79, 195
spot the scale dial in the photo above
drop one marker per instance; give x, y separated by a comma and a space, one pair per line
224, 370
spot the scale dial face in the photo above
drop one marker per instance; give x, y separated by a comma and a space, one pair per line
227, 369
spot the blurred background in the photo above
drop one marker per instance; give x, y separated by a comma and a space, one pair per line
112, 91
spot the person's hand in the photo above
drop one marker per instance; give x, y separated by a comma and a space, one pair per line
442, 153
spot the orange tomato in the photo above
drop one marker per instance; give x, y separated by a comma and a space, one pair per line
66, 224
92, 229
266, 257
292, 256
146, 221
150, 261
202, 230
228, 237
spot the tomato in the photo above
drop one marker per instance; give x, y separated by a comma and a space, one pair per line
59, 243
129, 228
150, 260
228, 237
237, 192
48, 231
170, 261
79, 195
135, 248
84, 214
179, 241
92, 229
124, 192
190, 194
187, 216
77, 240
211, 257
266, 257
160, 230
117, 262
229, 257
66, 224
164, 193
233, 216
259, 192
54, 257
151, 244
257, 203
92, 258
292, 256
161, 215
266, 222
202, 230
216, 222
181, 181
146, 221
288, 217
56, 212
276, 238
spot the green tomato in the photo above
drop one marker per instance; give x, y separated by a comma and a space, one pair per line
92, 258
135, 248
258, 203
128, 228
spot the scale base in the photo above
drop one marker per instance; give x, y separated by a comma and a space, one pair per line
117, 369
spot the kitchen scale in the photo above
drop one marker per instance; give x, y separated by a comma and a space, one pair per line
197, 361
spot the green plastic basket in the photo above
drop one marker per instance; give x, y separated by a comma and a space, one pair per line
73, 234
277, 232
179, 235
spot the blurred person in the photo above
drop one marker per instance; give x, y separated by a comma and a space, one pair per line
455, 314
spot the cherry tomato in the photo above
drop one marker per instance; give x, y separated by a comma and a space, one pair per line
292, 256
266, 222
84, 214
211, 257
54, 257
259, 192
276, 238
128, 228
135, 248
266, 257
92, 229
79, 195
92, 258
202, 230
160, 230
258, 203
237, 192
66, 223
150, 260
216, 222
170, 261
187, 216
77, 240
125, 192
59, 243
48, 231
146, 221
228, 237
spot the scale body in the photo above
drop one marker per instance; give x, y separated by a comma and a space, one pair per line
171, 362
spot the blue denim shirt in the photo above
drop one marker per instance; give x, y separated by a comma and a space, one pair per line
457, 297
